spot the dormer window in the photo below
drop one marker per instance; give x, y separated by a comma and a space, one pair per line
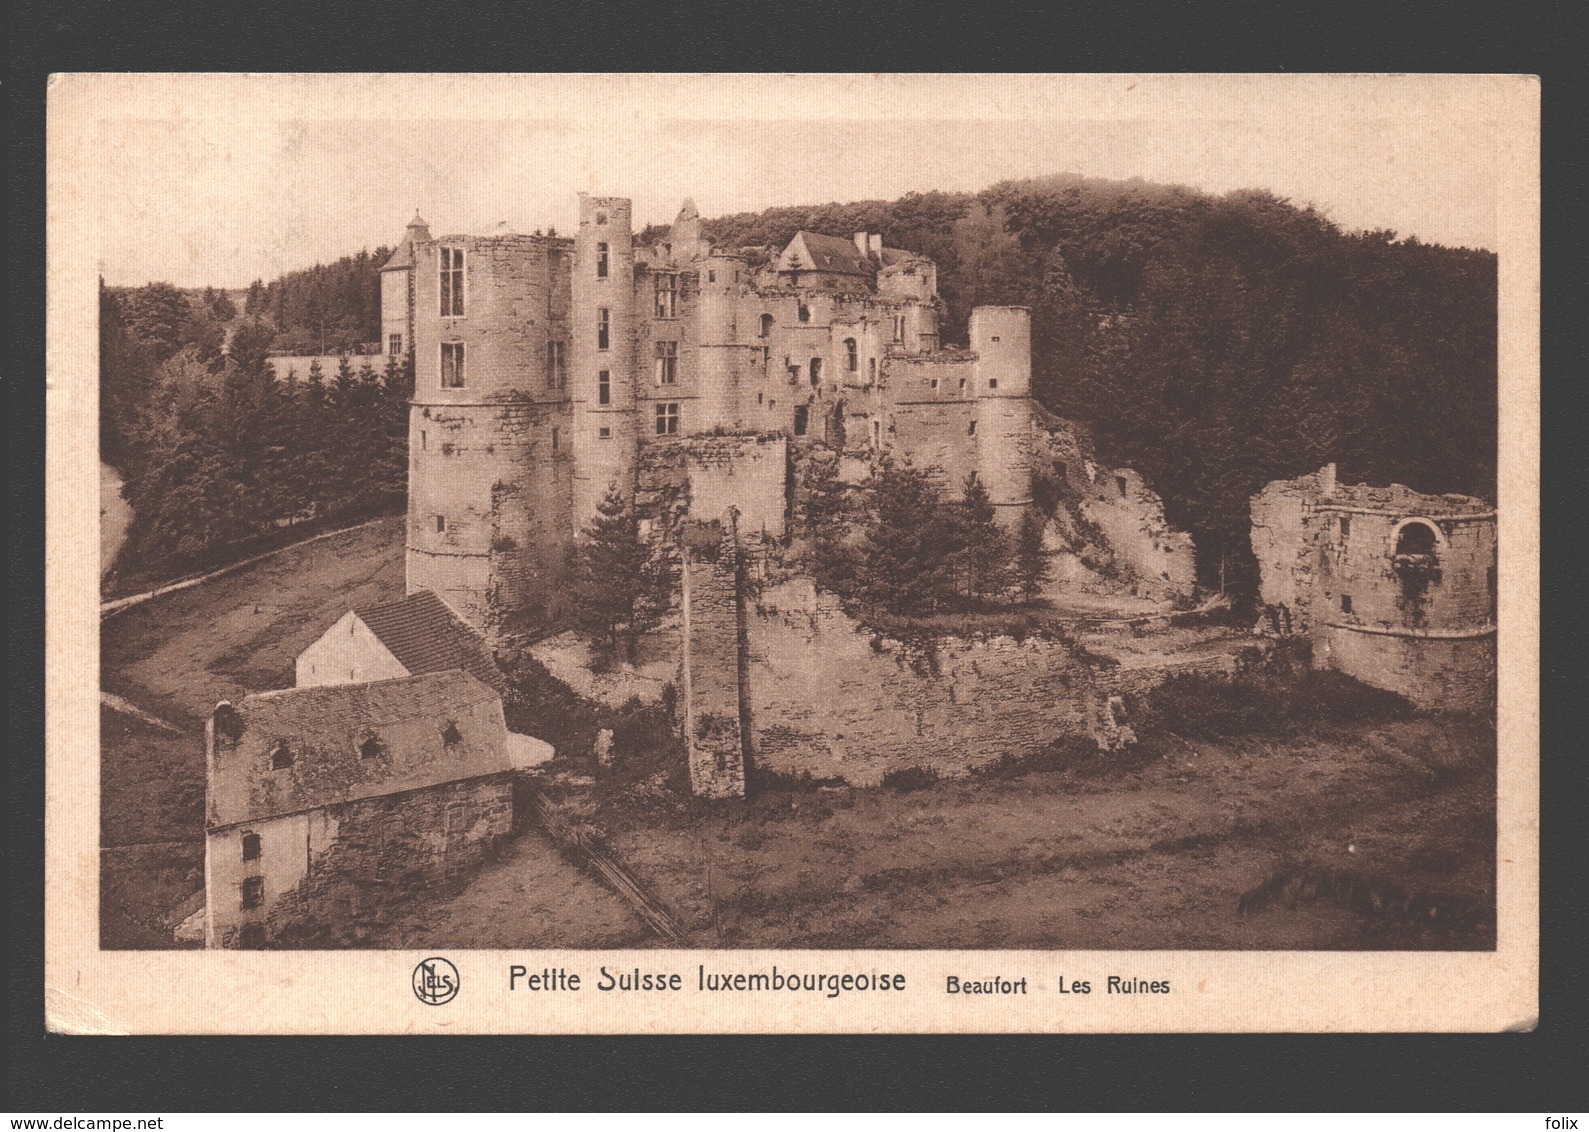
280, 755
371, 748
450, 735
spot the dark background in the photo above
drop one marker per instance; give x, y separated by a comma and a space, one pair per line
1533, 1071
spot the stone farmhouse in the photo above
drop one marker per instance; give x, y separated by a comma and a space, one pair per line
1395, 588
326, 800
690, 378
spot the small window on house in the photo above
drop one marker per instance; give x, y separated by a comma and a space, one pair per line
766, 325
441, 523
452, 365
1346, 603
251, 847
871, 370
253, 892
802, 420
816, 371
371, 748
804, 313
394, 344
604, 433
556, 438
450, 735
667, 363
604, 387
933, 383
971, 428
280, 755
667, 295
601, 261
993, 383
667, 418
452, 282
603, 328
852, 356
556, 364
1120, 484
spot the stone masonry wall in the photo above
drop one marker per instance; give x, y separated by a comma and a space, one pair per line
359, 855
710, 676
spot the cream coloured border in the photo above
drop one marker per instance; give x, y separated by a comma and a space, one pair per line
368, 992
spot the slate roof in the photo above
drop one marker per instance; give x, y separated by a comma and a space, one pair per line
427, 636
404, 255
830, 253
323, 728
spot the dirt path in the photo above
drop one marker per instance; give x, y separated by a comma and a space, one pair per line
115, 517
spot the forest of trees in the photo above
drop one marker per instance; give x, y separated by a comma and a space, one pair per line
330, 308
214, 451
1213, 343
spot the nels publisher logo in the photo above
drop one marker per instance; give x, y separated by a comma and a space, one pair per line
435, 981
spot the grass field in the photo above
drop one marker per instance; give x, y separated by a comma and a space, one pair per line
1358, 835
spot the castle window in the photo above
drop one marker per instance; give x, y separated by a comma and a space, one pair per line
711, 277
280, 755
452, 365
604, 433
424, 440
601, 218
993, 383
604, 387
933, 383
871, 370
766, 325
601, 261
759, 398
441, 523
603, 328
667, 418
667, 295
962, 385
452, 282
667, 363
899, 328
877, 434
251, 847
394, 344
802, 420
1120, 483
816, 371
556, 437
852, 356
1346, 527
1346, 603
804, 312
253, 892
971, 428
370, 748
556, 364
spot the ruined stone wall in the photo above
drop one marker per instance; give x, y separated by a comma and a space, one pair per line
710, 669
1435, 673
825, 700
1282, 535
1161, 560
330, 867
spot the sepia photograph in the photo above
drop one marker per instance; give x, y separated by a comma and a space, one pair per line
529, 521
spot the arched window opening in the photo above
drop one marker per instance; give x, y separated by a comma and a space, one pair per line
1415, 560
251, 847
766, 325
1416, 538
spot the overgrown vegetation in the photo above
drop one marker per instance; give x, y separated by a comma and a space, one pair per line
217, 454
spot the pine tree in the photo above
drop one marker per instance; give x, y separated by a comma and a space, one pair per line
619, 589
904, 563
981, 550
1031, 564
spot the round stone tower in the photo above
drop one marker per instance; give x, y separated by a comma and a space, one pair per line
1002, 340
490, 469
602, 356
720, 357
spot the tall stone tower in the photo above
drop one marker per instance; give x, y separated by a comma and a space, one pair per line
1002, 340
490, 428
602, 354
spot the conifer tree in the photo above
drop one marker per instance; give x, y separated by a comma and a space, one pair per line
904, 566
981, 550
1031, 564
620, 588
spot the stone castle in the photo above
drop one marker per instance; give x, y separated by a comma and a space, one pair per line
549, 371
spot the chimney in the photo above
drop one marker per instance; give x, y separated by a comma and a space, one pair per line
1327, 481
875, 243
860, 239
